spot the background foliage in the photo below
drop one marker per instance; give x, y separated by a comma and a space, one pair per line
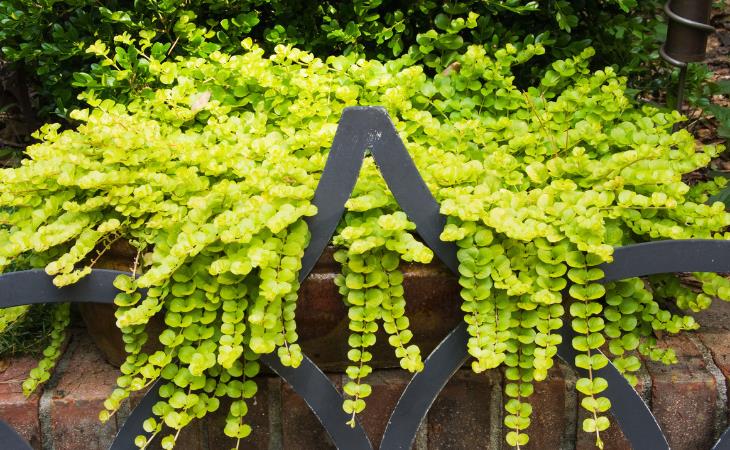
48, 39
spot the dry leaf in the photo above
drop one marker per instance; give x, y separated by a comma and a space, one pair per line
200, 101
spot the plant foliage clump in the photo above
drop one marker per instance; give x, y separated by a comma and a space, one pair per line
212, 175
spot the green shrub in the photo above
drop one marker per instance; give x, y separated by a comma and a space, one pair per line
211, 176
50, 38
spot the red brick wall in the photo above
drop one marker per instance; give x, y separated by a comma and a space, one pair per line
689, 400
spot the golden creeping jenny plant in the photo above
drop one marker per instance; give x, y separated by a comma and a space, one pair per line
211, 178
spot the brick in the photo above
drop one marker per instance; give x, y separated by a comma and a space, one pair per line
463, 416
716, 318
73, 405
613, 438
101, 326
548, 417
388, 385
549, 423
684, 396
15, 409
264, 433
322, 321
432, 306
433, 302
301, 430
190, 438
715, 334
717, 344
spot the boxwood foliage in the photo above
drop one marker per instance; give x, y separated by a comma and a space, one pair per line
50, 39
211, 175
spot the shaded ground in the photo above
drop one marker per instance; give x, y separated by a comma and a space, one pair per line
701, 122
718, 61
718, 46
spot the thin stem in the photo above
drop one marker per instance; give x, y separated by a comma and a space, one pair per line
136, 263
177, 38
151, 438
109, 240
680, 93
543, 128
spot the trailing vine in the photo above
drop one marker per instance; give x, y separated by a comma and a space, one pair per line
371, 286
42, 372
214, 173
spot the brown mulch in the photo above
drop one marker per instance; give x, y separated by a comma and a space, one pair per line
704, 127
718, 60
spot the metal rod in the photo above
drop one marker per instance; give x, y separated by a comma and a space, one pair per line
682, 82
681, 86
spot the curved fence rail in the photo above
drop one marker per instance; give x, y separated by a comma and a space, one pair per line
369, 128
10, 439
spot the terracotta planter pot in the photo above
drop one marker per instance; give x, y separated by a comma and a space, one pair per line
432, 299
99, 317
